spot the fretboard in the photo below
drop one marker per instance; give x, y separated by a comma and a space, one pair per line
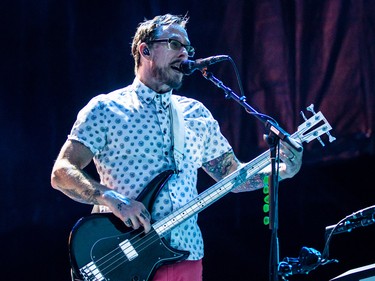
212, 194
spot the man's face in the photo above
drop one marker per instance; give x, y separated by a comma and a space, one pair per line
166, 60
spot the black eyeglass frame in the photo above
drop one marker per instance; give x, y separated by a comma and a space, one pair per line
189, 49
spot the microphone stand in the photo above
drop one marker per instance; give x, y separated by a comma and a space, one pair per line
276, 133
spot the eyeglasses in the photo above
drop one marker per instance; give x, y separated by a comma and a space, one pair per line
176, 45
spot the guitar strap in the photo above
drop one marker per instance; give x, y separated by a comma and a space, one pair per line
178, 132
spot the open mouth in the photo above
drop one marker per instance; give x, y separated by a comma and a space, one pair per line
176, 68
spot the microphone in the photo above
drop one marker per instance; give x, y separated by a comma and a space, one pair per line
361, 218
187, 67
366, 213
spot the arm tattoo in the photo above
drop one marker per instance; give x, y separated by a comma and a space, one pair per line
227, 163
221, 166
82, 189
91, 196
86, 196
253, 183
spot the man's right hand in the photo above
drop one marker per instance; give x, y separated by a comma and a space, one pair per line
133, 213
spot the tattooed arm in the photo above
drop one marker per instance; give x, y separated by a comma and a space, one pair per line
227, 163
68, 177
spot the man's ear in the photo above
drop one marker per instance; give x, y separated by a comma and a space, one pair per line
144, 50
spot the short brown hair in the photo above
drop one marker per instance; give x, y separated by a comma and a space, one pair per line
148, 31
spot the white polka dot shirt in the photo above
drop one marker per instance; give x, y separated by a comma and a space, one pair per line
129, 132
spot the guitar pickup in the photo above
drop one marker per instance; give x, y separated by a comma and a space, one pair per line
128, 250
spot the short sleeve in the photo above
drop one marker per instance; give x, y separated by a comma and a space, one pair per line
215, 143
91, 128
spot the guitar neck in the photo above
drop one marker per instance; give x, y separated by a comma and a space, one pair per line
212, 194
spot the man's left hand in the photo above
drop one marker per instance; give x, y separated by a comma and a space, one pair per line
291, 158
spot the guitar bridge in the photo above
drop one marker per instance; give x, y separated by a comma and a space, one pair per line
90, 272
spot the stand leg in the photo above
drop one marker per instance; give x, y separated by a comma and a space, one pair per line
274, 257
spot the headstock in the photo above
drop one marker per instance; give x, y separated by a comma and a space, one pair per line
314, 127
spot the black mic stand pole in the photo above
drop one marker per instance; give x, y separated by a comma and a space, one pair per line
275, 135
273, 183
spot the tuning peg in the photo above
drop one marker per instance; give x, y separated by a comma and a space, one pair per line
311, 108
331, 138
320, 140
303, 115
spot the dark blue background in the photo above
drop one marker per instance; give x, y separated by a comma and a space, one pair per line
56, 55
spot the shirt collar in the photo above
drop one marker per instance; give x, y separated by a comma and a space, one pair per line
148, 95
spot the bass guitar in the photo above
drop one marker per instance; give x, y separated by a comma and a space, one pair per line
103, 248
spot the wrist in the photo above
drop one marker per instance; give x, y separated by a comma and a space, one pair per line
110, 196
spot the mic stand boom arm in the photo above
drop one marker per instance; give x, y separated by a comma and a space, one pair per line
276, 133
270, 124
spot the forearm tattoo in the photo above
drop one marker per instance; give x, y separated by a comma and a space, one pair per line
79, 186
253, 183
227, 163
221, 166
91, 196
86, 196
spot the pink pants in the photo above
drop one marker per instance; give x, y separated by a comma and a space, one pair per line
181, 271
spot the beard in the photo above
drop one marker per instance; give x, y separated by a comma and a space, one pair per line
167, 76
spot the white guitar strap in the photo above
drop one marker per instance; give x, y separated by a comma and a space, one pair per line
178, 131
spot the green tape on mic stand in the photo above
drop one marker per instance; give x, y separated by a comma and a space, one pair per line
266, 205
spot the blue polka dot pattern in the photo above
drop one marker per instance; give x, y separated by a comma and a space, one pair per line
129, 132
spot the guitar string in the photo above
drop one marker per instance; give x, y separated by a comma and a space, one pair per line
117, 257
145, 243
136, 245
118, 251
